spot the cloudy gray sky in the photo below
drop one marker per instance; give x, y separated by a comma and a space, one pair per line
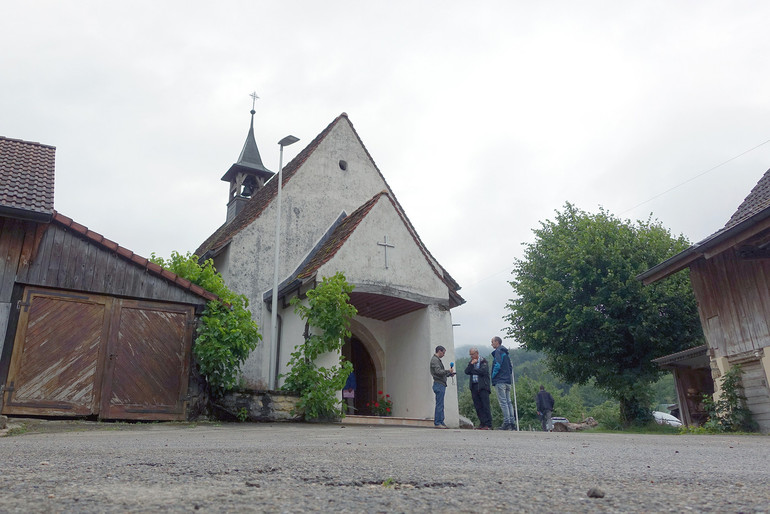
484, 117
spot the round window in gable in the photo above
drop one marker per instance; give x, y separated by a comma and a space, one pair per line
343, 165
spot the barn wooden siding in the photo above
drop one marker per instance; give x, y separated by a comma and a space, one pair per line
734, 304
65, 260
16, 244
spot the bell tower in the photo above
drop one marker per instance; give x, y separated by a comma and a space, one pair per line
247, 174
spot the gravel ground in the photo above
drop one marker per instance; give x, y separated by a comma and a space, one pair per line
100, 467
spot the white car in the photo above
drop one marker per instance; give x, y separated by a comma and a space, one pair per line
662, 418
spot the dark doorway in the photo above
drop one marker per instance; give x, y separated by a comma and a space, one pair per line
366, 376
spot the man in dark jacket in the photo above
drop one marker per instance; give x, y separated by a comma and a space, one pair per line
502, 378
478, 369
545, 403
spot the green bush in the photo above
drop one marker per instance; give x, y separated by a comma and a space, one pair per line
729, 413
226, 333
607, 415
329, 313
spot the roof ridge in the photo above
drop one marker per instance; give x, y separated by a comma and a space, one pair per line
27, 142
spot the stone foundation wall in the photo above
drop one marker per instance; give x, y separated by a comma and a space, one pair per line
260, 405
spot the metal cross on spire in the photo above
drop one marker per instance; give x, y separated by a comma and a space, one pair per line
254, 99
386, 245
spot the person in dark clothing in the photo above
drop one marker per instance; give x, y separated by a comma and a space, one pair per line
545, 403
478, 369
349, 392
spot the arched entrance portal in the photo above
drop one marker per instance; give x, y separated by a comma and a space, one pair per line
366, 375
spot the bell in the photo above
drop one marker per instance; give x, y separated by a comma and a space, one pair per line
249, 186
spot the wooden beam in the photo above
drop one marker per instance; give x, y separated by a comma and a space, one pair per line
738, 238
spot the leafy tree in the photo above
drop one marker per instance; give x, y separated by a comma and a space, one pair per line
664, 390
526, 389
579, 302
226, 334
465, 404
607, 415
328, 312
462, 379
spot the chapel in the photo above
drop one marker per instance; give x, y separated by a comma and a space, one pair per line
337, 214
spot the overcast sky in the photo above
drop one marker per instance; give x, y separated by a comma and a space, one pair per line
484, 117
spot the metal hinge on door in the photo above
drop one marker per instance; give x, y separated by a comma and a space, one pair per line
21, 304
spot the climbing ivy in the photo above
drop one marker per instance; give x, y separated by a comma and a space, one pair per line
226, 333
729, 413
327, 314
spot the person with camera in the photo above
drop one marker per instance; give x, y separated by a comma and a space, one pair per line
439, 384
478, 369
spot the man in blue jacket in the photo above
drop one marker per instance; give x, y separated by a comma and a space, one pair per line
502, 378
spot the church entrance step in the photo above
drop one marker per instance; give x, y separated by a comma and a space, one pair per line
387, 421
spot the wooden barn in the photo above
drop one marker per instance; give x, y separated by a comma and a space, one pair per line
730, 274
87, 327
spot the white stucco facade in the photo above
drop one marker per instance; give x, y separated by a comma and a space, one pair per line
317, 196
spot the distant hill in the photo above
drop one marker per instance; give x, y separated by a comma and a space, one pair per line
462, 351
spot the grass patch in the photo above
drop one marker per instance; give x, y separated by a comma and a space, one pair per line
683, 430
651, 428
20, 430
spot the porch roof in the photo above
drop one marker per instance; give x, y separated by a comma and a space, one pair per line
696, 357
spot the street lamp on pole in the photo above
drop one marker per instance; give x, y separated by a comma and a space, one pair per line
288, 140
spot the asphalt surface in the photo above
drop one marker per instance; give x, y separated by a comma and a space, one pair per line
101, 467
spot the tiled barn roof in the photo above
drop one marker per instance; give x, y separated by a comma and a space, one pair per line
754, 209
757, 201
26, 179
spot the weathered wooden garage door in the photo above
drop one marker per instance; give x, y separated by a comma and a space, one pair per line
78, 355
148, 361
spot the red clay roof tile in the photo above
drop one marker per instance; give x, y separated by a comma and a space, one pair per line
27, 177
758, 200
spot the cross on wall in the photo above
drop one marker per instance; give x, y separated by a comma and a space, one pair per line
386, 245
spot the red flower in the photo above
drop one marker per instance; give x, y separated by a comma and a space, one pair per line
379, 392
388, 409
367, 404
387, 396
376, 404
